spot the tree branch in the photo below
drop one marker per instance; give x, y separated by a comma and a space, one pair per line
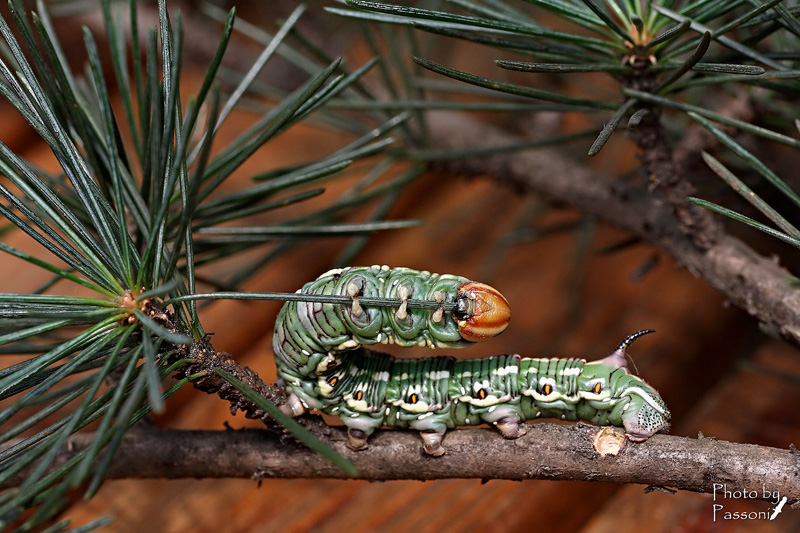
548, 451
750, 281
205, 360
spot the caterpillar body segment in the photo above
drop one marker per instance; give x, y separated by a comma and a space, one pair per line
309, 335
321, 357
434, 394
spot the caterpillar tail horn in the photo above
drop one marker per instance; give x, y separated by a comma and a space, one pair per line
618, 358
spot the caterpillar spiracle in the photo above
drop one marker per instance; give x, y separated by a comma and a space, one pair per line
321, 359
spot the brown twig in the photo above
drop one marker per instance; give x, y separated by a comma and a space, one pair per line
206, 360
548, 451
668, 180
753, 282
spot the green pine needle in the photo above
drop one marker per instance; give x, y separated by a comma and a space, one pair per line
301, 433
122, 220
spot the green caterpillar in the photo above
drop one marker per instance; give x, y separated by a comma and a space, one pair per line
320, 355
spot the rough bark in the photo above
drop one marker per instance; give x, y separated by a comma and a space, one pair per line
548, 451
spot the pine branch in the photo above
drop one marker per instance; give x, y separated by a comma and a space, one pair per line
172, 220
131, 221
548, 451
749, 280
205, 361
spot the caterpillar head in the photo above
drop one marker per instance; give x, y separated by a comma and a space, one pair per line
481, 312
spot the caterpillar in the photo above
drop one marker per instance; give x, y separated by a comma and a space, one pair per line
323, 363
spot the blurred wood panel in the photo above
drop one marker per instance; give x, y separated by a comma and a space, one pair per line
567, 301
463, 219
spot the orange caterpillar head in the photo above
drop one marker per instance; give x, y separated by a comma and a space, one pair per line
482, 311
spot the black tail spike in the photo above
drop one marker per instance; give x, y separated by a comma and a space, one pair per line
632, 337
619, 357
622, 351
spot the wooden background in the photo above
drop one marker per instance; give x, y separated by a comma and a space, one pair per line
561, 307
717, 372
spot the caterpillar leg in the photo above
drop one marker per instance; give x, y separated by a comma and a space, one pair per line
510, 428
293, 407
357, 439
432, 442
645, 419
360, 425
